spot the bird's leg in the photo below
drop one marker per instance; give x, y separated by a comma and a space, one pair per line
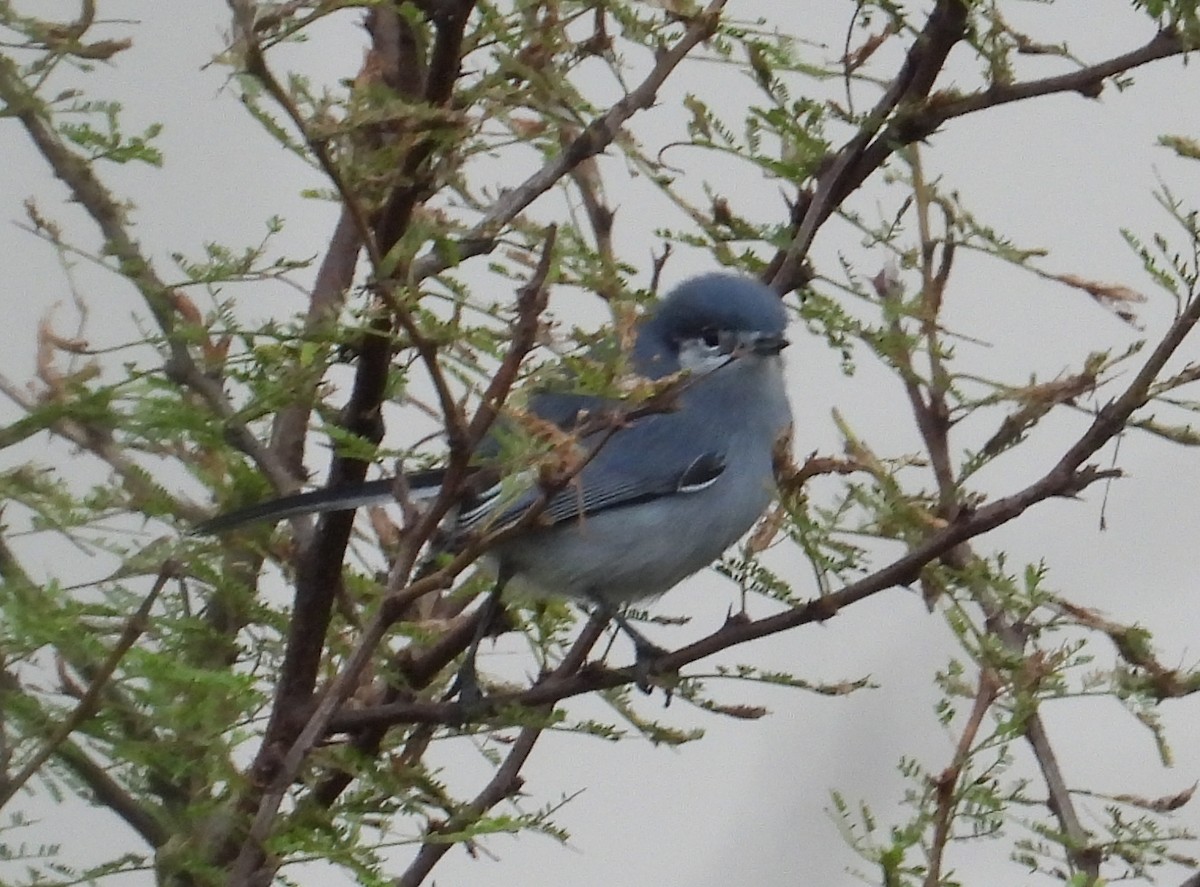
645, 651
466, 684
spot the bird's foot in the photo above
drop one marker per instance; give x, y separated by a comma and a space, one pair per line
466, 689
645, 657
646, 652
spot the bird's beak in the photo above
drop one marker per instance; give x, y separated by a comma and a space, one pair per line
765, 344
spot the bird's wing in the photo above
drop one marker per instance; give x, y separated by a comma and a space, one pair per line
653, 457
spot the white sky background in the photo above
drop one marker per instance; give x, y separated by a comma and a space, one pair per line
747, 805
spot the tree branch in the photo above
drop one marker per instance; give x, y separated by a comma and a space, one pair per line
945, 26
1066, 478
279, 769
1079, 846
597, 136
506, 781
110, 217
1087, 81
108, 792
87, 706
946, 785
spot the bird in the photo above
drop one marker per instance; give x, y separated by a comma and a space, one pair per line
658, 495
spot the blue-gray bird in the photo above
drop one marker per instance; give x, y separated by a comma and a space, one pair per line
657, 499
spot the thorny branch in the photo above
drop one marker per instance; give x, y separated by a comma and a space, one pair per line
908, 112
928, 402
506, 780
90, 703
110, 217
1087, 81
322, 555
281, 772
1080, 851
597, 136
945, 786
1068, 477
865, 151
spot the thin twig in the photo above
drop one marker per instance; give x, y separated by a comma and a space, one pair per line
947, 781
506, 780
137, 814
1080, 851
933, 416
531, 302
597, 136
256, 66
1067, 477
134, 626
111, 218
586, 177
943, 29
504, 784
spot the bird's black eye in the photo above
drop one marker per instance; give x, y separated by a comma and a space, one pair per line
711, 336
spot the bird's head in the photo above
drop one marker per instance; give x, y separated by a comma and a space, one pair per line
708, 321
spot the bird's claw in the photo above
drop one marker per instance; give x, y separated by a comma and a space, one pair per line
465, 689
646, 656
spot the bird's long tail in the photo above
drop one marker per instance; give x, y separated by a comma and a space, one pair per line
421, 485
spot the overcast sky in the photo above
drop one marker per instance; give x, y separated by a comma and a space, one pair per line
748, 805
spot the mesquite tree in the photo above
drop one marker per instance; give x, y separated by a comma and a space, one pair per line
506, 175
